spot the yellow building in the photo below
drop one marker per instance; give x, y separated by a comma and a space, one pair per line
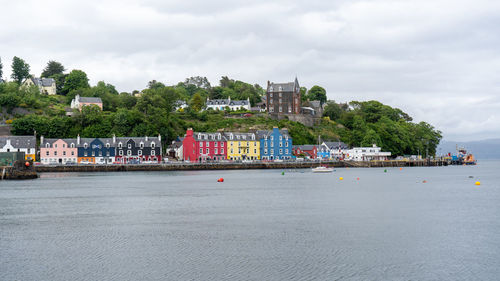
242, 146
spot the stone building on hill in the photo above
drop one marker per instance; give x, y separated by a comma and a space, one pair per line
283, 98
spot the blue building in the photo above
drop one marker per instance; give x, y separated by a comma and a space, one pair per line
96, 151
275, 144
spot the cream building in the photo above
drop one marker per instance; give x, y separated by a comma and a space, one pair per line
242, 146
46, 85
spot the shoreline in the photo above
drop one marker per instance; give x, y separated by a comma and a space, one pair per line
236, 166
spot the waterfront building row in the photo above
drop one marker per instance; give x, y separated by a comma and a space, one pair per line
101, 150
272, 144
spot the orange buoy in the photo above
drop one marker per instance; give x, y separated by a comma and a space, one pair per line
400, 169
357, 179
220, 180
27, 164
424, 181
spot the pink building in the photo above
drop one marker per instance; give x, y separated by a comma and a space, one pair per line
58, 151
79, 102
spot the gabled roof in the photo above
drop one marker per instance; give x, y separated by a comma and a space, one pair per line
43, 82
227, 102
138, 140
304, 147
283, 87
51, 141
19, 141
89, 100
237, 136
267, 133
336, 145
203, 136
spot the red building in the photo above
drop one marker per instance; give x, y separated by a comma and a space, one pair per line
204, 147
308, 150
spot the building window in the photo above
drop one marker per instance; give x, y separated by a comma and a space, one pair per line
286, 151
129, 146
271, 109
139, 152
216, 151
271, 101
207, 144
55, 153
47, 145
255, 150
152, 145
55, 145
100, 153
281, 151
216, 144
120, 152
64, 153
271, 94
129, 152
286, 144
85, 154
201, 150
265, 151
207, 150
153, 152
107, 153
290, 109
281, 109
47, 153
72, 145
280, 94
222, 151
281, 144
93, 153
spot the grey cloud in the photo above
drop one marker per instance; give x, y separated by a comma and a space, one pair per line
436, 60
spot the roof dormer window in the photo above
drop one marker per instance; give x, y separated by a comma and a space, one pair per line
85, 145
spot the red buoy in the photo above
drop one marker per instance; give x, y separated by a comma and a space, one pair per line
220, 180
27, 164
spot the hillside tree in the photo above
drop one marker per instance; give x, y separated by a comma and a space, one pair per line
20, 70
52, 68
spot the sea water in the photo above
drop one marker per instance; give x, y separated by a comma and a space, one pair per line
421, 223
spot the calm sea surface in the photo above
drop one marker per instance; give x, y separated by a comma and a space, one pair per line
257, 225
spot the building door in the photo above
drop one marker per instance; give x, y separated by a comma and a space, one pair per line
60, 161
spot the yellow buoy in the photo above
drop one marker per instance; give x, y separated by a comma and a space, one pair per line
341, 178
478, 183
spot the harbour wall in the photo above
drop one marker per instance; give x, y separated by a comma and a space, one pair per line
234, 166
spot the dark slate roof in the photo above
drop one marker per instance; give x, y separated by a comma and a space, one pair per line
209, 136
227, 102
262, 133
237, 136
304, 147
336, 145
138, 140
90, 100
285, 87
43, 82
19, 141
51, 141
175, 144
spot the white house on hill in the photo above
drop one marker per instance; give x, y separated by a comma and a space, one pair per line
221, 104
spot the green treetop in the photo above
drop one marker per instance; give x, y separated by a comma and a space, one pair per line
76, 79
52, 68
20, 70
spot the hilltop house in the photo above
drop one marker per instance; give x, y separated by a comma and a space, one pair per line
26, 144
45, 85
283, 98
221, 104
275, 144
79, 102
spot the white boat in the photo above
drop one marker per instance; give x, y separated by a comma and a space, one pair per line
322, 169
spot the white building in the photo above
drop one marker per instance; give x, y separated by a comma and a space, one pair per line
221, 104
26, 144
180, 104
46, 85
366, 154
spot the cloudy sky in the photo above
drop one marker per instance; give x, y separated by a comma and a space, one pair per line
437, 60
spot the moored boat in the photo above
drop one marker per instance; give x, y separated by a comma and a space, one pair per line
322, 169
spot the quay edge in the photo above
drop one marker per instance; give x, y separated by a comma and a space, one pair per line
234, 166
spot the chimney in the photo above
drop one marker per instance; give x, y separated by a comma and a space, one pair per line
146, 138
114, 138
78, 139
41, 140
189, 132
159, 137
